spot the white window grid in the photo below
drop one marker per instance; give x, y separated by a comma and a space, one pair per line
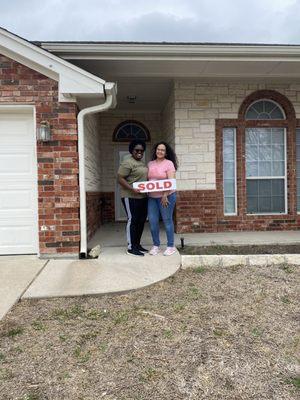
275, 177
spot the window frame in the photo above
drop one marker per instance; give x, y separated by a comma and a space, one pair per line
270, 119
271, 177
127, 140
297, 129
235, 172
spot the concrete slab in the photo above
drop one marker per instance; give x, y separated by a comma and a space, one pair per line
113, 234
16, 274
113, 272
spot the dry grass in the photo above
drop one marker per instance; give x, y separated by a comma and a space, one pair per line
218, 333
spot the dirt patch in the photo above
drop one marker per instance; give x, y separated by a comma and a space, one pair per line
229, 249
208, 333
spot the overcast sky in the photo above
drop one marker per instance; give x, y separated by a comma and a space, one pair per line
230, 21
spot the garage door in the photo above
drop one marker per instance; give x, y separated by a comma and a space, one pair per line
18, 183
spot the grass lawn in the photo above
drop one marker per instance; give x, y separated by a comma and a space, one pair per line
208, 333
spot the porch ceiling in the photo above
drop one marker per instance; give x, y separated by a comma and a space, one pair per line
146, 70
146, 94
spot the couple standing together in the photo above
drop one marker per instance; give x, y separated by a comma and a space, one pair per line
138, 205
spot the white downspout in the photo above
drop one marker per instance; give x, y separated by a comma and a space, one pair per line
110, 102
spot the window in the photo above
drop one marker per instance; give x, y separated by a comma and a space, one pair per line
229, 171
298, 167
128, 130
264, 109
265, 170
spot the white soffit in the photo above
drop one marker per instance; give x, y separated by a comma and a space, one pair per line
73, 81
181, 60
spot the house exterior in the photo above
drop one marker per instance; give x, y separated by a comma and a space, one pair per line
232, 113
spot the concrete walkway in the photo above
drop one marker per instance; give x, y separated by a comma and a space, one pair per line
113, 272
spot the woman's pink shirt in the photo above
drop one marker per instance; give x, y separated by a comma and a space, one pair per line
159, 170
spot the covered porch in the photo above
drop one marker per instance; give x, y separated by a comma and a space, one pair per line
113, 235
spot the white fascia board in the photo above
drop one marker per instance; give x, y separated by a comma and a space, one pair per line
73, 81
174, 51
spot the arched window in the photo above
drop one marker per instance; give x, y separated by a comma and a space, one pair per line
264, 109
129, 130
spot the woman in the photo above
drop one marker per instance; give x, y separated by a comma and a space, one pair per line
132, 169
163, 166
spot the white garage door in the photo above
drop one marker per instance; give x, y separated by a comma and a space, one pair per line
18, 182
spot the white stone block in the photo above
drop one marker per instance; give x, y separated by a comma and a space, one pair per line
259, 260
207, 128
231, 260
210, 260
181, 114
192, 158
205, 186
292, 259
186, 184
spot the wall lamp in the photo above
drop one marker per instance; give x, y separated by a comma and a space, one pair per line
44, 132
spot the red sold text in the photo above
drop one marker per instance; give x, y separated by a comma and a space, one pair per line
155, 186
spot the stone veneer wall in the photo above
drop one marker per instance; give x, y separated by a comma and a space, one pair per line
93, 173
92, 148
197, 107
58, 187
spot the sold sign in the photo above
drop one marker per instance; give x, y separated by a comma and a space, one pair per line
155, 186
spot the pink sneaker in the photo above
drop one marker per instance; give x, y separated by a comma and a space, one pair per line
169, 251
154, 251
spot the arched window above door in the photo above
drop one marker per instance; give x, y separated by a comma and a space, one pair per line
129, 130
264, 109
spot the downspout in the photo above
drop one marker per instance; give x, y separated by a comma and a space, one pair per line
110, 102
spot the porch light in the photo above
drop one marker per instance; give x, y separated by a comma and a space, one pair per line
44, 132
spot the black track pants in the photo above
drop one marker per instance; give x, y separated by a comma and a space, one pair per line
136, 210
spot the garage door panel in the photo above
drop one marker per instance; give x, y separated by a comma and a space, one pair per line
14, 128
18, 185
17, 200
15, 164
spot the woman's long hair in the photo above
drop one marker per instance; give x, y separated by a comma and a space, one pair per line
170, 153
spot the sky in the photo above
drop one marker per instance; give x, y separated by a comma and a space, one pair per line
214, 21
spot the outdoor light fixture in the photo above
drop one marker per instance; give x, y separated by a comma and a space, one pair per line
44, 132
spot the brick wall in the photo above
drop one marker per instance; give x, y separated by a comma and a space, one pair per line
100, 210
58, 195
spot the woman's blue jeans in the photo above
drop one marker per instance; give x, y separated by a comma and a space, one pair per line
155, 209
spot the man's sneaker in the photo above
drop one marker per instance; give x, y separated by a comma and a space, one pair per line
141, 248
154, 251
169, 251
133, 252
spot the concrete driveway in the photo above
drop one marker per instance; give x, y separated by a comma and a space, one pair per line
16, 275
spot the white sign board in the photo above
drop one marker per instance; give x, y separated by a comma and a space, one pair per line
155, 186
